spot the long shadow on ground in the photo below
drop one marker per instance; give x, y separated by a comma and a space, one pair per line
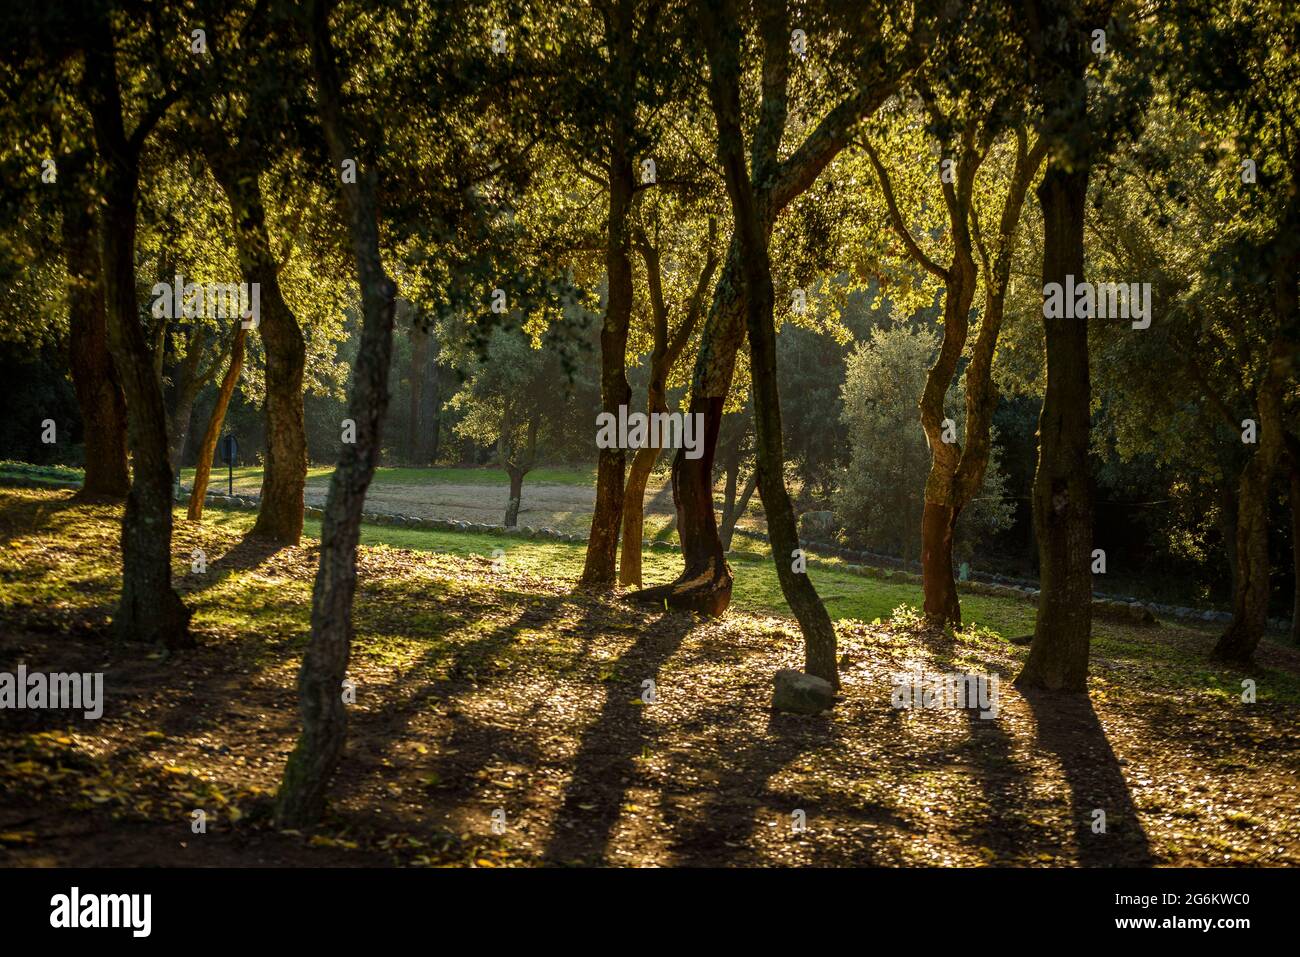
1069, 728
609, 746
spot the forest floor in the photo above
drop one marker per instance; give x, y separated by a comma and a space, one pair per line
506, 695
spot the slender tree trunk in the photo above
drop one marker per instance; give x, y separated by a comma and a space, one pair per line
301, 799
149, 608
1250, 593
1058, 656
284, 474
1295, 548
704, 586
430, 407
516, 496
939, 515
733, 516
419, 362
731, 472
667, 349
601, 569
99, 393
638, 476
203, 468
722, 44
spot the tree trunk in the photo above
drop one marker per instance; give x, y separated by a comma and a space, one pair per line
938, 522
704, 586
185, 389
203, 468
705, 583
638, 476
601, 569
149, 608
1058, 656
1295, 549
301, 799
1250, 593
722, 45
99, 393
419, 363
430, 407
731, 472
939, 516
516, 495
732, 516
284, 474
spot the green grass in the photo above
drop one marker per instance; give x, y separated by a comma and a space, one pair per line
39, 473
756, 587
1171, 659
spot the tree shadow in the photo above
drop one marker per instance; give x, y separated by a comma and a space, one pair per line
722, 828
1068, 726
605, 761
245, 555
1004, 786
470, 744
23, 516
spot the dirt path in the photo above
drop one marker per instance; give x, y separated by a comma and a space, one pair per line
567, 507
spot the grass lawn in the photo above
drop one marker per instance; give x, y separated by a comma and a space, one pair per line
756, 589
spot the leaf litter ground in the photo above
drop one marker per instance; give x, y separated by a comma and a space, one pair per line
487, 696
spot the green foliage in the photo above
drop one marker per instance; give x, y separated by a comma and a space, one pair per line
882, 490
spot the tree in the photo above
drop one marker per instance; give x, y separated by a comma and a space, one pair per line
631, 53
44, 121
301, 798
668, 348
722, 33
513, 399
965, 124
208, 446
1057, 36
1242, 81
246, 119
861, 64
99, 390
149, 608
883, 497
